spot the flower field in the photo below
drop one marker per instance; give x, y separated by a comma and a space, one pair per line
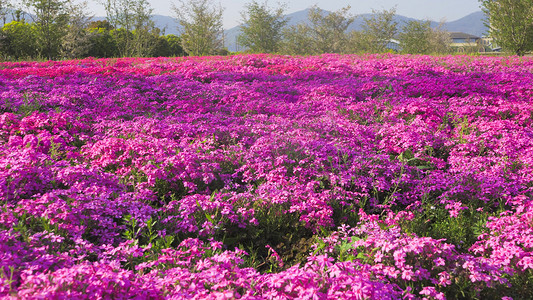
267, 177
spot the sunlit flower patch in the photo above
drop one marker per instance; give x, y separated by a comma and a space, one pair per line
267, 177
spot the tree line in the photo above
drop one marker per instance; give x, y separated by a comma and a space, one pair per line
510, 24
63, 29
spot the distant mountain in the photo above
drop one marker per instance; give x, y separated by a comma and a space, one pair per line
230, 39
401, 20
472, 24
169, 24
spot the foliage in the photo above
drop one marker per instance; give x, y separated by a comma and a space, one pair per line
119, 14
5, 7
19, 40
261, 31
415, 37
87, 39
145, 34
76, 42
440, 40
134, 29
510, 23
378, 31
104, 24
168, 45
202, 31
124, 41
51, 19
296, 40
328, 30
325, 33
174, 43
102, 43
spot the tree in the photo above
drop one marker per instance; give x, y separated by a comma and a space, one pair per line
296, 40
133, 25
76, 42
102, 42
201, 27
119, 16
167, 46
262, 26
510, 23
5, 5
358, 42
174, 45
20, 40
440, 40
145, 33
325, 33
378, 30
50, 18
104, 24
328, 30
18, 15
124, 41
415, 37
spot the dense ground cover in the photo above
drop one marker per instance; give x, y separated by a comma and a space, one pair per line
267, 177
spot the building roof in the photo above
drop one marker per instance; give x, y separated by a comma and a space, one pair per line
462, 35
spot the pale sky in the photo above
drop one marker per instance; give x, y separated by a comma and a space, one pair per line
436, 10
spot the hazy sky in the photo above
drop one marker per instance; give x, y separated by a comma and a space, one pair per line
422, 9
